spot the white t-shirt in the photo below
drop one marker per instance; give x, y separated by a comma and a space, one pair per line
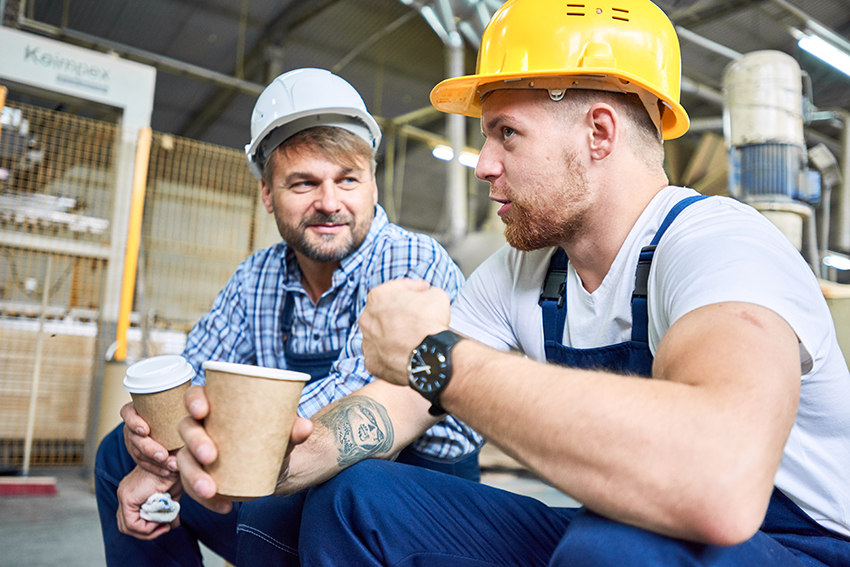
716, 250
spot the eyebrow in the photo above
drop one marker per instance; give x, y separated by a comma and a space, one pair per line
301, 175
492, 123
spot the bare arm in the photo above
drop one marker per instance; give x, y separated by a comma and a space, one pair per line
691, 453
377, 421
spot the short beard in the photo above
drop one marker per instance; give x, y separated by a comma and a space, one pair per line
296, 237
525, 234
535, 223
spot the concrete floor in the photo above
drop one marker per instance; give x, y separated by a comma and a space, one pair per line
64, 530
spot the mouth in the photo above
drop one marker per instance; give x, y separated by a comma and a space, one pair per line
327, 227
506, 206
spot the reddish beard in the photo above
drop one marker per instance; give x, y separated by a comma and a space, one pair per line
551, 218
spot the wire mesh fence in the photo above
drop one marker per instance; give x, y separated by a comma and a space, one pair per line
57, 194
56, 201
199, 220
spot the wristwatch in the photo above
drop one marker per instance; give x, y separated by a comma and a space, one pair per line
430, 367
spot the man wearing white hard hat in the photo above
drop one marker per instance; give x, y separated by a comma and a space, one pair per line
292, 306
682, 378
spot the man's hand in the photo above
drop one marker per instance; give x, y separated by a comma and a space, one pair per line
200, 450
398, 315
133, 491
147, 453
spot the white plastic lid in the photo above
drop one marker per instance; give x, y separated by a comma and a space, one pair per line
256, 371
157, 374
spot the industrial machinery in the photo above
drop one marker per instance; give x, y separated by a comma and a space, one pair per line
763, 123
765, 112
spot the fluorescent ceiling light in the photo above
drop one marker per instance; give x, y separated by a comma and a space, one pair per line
445, 153
837, 262
825, 51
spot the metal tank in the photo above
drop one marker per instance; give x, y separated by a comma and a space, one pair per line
763, 118
763, 124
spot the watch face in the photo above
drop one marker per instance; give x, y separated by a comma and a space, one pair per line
428, 369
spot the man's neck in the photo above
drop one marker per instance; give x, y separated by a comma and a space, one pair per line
316, 277
593, 252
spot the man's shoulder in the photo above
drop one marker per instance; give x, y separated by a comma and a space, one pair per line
720, 215
394, 237
512, 269
261, 261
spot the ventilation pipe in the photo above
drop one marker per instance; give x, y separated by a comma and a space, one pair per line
458, 200
453, 20
763, 123
839, 232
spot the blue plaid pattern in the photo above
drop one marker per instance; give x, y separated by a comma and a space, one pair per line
244, 324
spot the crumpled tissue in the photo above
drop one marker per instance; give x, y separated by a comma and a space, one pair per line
160, 508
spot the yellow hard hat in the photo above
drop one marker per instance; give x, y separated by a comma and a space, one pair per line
614, 45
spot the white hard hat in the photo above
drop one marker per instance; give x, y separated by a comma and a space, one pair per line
303, 99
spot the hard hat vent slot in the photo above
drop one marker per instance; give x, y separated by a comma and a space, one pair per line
620, 14
575, 6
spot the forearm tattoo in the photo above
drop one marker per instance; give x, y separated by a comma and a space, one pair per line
361, 428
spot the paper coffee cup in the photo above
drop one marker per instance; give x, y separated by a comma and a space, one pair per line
157, 386
252, 410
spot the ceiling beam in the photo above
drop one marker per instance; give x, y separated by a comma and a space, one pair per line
226, 11
294, 15
690, 17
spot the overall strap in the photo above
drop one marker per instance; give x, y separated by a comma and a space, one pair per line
640, 316
287, 314
553, 297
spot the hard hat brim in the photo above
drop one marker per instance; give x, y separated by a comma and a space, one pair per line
460, 95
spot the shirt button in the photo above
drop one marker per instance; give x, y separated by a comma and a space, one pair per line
316, 337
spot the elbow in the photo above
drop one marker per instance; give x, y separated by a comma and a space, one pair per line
728, 529
732, 517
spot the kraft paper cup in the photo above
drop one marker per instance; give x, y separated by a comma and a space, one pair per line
252, 410
157, 386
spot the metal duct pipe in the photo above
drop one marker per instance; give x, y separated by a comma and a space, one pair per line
839, 232
718, 48
456, 127
444, 24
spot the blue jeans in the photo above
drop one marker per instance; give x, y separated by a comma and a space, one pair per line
379, 513
260, 532
268, 528
179, 546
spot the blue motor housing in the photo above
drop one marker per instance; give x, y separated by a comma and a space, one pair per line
770, 170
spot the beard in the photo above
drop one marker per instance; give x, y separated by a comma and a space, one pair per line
327, 247
549, 217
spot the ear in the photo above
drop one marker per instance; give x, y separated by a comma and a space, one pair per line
605, 130
374, 192
267, 196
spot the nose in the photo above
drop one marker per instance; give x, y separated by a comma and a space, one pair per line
488, 168
327, 199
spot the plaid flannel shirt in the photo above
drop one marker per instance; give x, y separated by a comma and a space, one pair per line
244, 324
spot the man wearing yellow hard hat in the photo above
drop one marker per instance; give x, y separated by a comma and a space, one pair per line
681, 376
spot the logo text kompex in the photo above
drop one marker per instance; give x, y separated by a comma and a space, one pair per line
66, 64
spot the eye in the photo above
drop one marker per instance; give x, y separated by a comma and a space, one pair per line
507, 132
302, 186
349, 182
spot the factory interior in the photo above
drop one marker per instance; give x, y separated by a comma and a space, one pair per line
126, 201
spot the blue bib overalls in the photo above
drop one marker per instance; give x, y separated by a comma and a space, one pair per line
378, 514
317, 365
